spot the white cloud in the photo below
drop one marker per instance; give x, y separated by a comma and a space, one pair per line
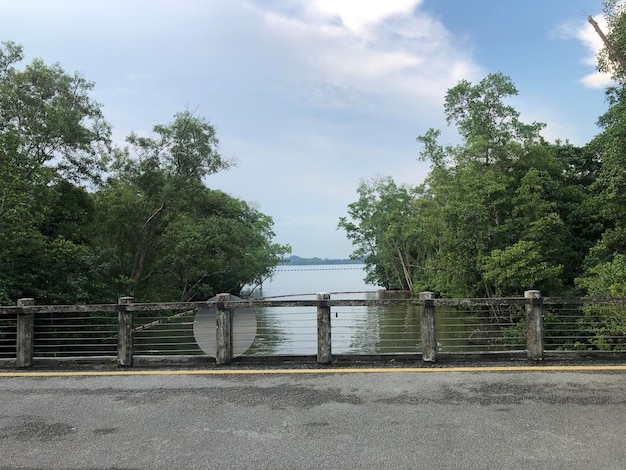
587, 35
357, 15
597, 80
368, 49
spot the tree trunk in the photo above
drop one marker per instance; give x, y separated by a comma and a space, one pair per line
616, 55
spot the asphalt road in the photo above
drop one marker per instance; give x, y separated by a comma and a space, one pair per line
387, 419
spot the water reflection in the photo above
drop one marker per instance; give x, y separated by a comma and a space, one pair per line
355, 330
379, 330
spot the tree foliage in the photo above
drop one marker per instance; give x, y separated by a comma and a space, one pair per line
152, 228
612, 56
51, 132
50, 116
171, 236
609, 151
386, 233
503, 211
499, 213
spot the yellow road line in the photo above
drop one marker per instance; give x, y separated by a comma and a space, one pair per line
379, 370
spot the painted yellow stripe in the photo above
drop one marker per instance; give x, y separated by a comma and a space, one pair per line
380, 370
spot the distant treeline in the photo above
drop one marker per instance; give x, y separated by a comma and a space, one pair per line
297, 261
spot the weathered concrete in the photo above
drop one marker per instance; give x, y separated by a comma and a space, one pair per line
25, 333
224, 330
324, 338
427, 327
125, 328
534, 325
400, 420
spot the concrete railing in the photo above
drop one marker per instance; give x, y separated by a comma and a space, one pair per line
224, 305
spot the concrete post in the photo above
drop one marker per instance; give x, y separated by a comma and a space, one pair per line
24, 346
534, 325
124, 332
429, 336
224, 330
324, 346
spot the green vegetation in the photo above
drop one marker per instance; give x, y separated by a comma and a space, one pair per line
499, 213
148, 226
504, 211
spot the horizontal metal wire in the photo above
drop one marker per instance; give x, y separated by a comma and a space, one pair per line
8, 331
357, 327
598, 325
76, 334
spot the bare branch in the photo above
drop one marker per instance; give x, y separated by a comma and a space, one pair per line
614, 53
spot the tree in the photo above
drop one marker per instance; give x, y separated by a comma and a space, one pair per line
611, 146
50, 117
471, 184
611, 59
605, 274
501, 212
607, 323
147, 191
384, 226
489, 126
152, 228
170, 236
51, 135
187, 148
221, 251
505, 197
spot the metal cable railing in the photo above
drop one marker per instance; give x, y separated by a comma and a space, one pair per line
375, 330
480, 329
575, 327
282, 331
288, 326
75, 334
8, 333
164, 333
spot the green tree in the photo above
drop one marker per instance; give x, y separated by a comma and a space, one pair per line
221, 251
607, 323
170, 236
610, 144
501, 212
471, 184
147, 190
152, 228
51, 135
605, 275
611, 58
384, 225
489, 126
504, 190
50, 116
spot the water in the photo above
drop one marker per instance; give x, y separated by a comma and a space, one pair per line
355, 330
306, 281
293, 330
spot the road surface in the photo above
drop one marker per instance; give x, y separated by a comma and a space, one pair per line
316, 419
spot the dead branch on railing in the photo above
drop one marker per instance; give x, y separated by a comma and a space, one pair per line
154, 323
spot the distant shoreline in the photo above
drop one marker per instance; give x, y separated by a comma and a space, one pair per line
297, 261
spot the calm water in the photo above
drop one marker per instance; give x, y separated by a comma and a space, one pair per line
293, 330
362, 330
307, 281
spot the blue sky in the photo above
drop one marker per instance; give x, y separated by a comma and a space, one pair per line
313, 96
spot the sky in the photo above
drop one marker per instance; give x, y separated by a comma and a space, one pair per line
313, 97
